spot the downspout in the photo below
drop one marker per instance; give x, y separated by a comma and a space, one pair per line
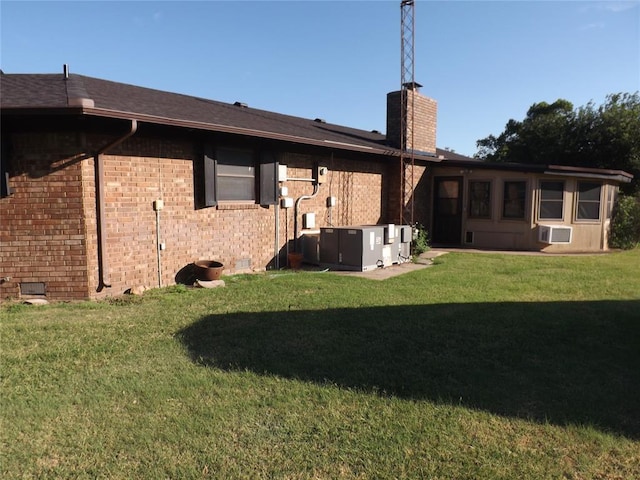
103, 266
276, 245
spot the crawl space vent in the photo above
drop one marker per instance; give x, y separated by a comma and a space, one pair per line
33, 289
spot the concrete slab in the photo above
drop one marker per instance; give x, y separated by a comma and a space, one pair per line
423, 261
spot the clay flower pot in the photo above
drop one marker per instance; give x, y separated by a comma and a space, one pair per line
208, 270
295, 260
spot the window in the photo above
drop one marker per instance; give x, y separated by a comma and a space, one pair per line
479, 199
514, 200
229, 176
448, 197
235, 175
588, 201
551, 200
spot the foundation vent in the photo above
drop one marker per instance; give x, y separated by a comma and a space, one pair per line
33, 289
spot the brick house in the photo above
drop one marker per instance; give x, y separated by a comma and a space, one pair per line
108, 186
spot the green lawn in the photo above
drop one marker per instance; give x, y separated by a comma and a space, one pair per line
482, 366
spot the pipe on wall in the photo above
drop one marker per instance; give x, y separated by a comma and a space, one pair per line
316, 186
103, 265
276, 246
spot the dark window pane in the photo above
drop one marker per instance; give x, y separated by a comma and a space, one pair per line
551, 200
551, 210
448, 189
588, 211
589, 191
480, 199
514, 199
588, 201
551, 190
236, 188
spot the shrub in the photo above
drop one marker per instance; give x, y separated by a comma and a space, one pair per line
625, 224
420, 243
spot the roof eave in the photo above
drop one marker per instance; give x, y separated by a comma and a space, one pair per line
557, 170
212, 127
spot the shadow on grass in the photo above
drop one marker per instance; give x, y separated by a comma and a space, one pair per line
565, 363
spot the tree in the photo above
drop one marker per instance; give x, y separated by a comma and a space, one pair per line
607, 136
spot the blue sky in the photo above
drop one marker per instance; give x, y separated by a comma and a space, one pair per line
483, 61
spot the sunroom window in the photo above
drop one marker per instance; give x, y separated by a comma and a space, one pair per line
588, 207
479, 199
551, 200
514, 201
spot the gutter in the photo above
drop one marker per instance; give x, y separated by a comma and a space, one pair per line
103, 264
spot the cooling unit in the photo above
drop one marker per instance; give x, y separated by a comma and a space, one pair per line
554, 234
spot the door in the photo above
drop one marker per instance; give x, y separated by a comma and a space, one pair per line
447, 210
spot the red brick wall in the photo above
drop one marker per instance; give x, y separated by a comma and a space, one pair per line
425, 111
42, 235
240, 236
49, 227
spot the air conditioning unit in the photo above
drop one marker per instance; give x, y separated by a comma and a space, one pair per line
554, 234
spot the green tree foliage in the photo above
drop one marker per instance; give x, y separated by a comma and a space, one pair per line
605, 136
625, 225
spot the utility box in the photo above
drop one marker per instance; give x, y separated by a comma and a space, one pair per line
358, 248
282, 173
320, 174
389, 233
309, 220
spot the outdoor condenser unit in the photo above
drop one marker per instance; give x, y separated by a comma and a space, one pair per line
554, 234
358, 248
405, 236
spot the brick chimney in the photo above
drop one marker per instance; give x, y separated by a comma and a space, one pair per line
425, 113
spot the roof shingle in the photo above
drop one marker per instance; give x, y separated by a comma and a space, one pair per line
29, 91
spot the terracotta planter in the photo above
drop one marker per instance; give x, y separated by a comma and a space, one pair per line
295, 260
208, 270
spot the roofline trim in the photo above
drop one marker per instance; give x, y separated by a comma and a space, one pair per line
99, 112
603, 176
558, 170
588, 170
122, 115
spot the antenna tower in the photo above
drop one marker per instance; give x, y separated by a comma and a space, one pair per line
407, 82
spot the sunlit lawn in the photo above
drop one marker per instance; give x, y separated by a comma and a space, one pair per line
482, 366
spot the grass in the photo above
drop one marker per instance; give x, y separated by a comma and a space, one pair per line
483, 366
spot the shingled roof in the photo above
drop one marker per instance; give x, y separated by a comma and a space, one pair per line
97, 97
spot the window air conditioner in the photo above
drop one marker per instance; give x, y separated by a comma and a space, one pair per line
554, 234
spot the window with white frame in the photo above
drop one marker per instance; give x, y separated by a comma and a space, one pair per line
551, 204
588, 203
